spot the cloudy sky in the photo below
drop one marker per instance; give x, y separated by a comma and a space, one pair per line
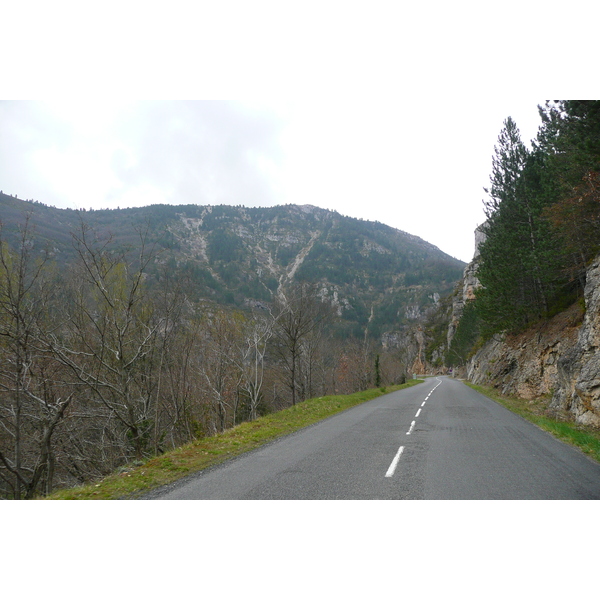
418, 165
384, 113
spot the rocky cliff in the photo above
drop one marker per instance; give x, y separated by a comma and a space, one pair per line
558, 359
465, 290
578, 368
526, 364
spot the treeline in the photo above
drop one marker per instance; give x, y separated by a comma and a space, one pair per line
98, 368
543, 222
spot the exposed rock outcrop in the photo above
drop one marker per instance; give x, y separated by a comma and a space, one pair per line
578, 389
466, 288
526, 364
559, 359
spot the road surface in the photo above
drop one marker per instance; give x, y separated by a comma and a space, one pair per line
436, 440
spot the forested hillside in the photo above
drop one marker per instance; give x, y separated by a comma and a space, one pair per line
130, 332
542, 228
239, 256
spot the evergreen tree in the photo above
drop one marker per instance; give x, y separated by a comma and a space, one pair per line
502, 301
541, 261
518, 261
543, 216
571, 142
507, 164
466, 336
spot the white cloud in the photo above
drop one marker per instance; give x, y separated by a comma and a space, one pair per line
418, 165
383, 111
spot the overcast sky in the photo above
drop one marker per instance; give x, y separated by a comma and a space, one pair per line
383, 113
419, 165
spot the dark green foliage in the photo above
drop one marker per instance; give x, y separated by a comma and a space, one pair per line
198, 278
572, 145
543, 213
466, 336
505, 269
285, 254
224, 246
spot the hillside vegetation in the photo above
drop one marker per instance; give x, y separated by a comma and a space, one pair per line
125, 334
240, 256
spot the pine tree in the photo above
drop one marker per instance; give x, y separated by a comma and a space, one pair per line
518, 259
507, 164
502, 300
571, 142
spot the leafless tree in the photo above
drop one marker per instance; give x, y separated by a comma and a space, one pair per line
217, 353
298, 313
354, 370
257, 332
109, 338
32, 401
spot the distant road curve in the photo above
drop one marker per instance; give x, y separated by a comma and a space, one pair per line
437, 440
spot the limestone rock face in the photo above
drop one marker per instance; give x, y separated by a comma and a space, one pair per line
579, 368
560, 359
470, 283
526, 364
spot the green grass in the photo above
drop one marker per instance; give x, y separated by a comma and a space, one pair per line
132, 482
587, 439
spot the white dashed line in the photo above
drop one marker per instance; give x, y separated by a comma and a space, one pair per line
394, 464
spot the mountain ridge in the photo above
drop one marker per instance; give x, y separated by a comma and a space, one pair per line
381, 278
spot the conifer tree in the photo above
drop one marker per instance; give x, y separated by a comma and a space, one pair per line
518, 259
572, 148
507, 164
502, 300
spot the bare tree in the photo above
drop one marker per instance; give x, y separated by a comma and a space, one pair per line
32, 402
181, 387
109, 339
354, 367
219, 346
257, 332
298, 313
172, 415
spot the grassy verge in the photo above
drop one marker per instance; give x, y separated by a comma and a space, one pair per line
207, 452
587, 439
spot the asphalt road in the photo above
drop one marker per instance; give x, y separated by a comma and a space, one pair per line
436, 440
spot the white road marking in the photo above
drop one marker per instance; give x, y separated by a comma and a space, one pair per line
394, 464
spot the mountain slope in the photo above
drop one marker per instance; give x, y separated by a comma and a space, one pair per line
380, 278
